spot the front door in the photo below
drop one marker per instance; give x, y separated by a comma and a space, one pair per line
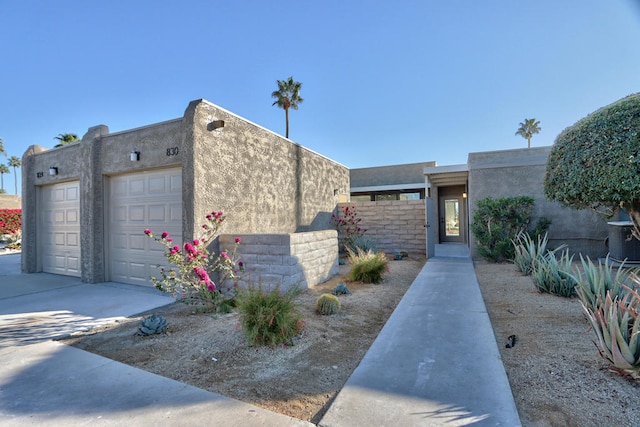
452, 218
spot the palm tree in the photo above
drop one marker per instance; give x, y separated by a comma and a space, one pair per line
2, 150
66, 138
14, 162
287, 96
528, 128
3, 169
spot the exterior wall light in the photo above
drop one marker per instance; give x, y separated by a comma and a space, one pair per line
464, 195
53, 171
135, 156
216, 124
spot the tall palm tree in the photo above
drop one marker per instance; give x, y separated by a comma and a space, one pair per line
2, 150
66, 138
287, 96
3, 169
528, 128
15, 162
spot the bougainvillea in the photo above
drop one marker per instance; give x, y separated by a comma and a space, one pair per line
10, 221
190, 279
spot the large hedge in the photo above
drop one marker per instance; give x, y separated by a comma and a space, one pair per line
595, 163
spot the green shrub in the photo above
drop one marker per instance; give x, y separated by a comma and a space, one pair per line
327, 304
595, 281
616, 323
496, 222
269, 317
366, 267
553, 275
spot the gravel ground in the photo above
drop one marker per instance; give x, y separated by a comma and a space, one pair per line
556, 374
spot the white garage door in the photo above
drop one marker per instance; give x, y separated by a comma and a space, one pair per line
60, 228
136, 202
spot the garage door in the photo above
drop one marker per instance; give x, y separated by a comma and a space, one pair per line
138, 201
60, 228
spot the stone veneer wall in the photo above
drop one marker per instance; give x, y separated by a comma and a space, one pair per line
394, 225
305, 259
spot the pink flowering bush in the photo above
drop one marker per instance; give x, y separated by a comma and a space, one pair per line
190, 280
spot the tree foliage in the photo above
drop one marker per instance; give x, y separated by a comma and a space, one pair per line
528, 128
66, 139
287, 96
15, 163
595, 163
3, 169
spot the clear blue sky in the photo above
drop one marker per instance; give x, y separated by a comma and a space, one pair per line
384, 82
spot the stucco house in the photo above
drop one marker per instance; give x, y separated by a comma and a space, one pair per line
85, 205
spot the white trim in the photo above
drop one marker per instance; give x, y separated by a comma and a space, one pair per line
411, 186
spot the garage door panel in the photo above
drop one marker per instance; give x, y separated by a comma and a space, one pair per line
151, 200
59, 223
137, 213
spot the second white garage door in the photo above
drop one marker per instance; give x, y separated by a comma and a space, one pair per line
136, 202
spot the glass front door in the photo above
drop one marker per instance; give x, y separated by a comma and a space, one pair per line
452, 218
451, 212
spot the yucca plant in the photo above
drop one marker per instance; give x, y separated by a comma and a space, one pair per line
596, 280
553, 275
616, 321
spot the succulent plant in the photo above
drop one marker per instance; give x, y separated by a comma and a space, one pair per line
327, 304
152, 325
341, 289
616, 322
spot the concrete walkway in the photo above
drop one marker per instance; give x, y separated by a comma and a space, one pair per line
434, 363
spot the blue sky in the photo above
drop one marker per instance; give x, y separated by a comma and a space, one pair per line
383, 82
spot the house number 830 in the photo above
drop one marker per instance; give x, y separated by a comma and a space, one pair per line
173, 151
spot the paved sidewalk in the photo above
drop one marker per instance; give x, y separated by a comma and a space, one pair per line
435, 362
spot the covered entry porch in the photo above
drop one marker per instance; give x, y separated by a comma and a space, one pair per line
447, 188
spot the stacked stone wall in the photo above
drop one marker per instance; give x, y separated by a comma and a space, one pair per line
394, 225
285, 260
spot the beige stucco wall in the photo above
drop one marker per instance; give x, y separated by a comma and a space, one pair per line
267, 183
521, 172
263, 182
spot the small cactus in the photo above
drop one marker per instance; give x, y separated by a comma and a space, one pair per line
152, 325
341, 289
327, 304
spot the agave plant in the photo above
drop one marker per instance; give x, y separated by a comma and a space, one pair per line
616, 322
595, 281
152, 325
553, 275
528, 251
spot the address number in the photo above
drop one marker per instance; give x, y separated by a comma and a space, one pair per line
173, 151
